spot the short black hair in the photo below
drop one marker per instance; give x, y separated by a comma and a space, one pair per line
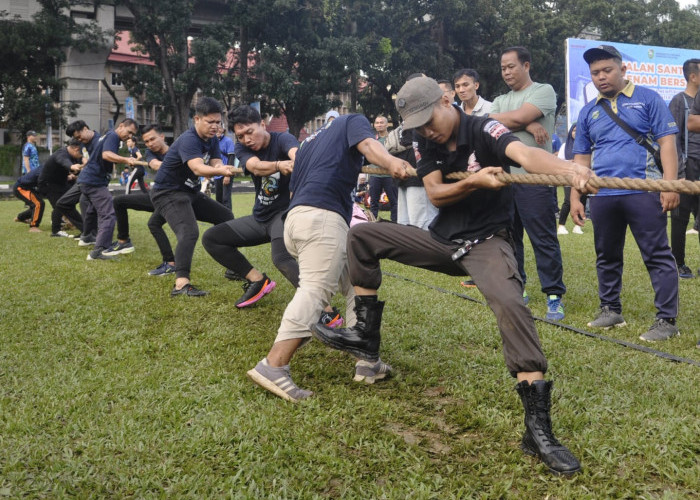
690, 67
74, 142
151, 126
207, 106
523, 54
471, 73
74, 127
243, 115
446, 82
128, 122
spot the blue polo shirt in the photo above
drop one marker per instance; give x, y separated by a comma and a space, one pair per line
271, 191
327, 165
174, 174
31, 152
98, 171
614, 152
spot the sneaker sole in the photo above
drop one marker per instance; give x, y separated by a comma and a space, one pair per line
89, 257
616, 325
120, 252
641, 337
371, 379
335, 323
269, 386
366, 356
265, 290
81, 243
161, 274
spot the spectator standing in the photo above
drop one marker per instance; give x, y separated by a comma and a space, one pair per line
566, 152
617, 154
382, 182
30, 156
138, 172
688, 145
222, 184
528, 110
466, 83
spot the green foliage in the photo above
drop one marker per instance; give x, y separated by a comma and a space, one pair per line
33, 50
109, 388
10, 158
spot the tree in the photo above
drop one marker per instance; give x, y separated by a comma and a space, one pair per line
29, 93
183, 65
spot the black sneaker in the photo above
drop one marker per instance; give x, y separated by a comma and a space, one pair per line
86, 241
685, 272
189, 290
233, 276
98, 253
254, 291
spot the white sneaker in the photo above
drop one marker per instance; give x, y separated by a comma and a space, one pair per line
562, 230
691, 231
577, 230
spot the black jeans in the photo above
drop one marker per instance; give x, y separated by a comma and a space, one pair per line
386, 184
222, 242
182, 210
70, 199
142, 202
53, 193
681, 215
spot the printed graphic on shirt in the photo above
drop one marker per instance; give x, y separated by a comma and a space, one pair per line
269, 189
495, 129
472, 164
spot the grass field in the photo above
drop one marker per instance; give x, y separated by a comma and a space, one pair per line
110, 388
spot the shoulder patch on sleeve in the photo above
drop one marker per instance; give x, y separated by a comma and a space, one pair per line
495, 129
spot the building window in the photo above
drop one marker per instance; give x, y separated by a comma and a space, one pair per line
116, 79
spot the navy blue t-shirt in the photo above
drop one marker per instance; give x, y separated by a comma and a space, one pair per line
150, 155
327, 165
98, 171
90, 146
174, 174
272, 191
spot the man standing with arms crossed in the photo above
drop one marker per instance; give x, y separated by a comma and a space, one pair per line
617, 154
528, 110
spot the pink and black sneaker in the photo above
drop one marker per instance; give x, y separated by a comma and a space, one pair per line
254, 291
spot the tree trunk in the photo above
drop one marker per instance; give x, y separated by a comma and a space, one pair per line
243, 61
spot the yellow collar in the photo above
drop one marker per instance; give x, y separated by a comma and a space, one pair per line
628, 90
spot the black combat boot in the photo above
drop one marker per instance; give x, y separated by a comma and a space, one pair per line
539, 439
362, 340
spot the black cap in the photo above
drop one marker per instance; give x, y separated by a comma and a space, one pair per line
31, 132
601, 52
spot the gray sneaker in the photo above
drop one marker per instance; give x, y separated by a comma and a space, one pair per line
278, 381
607, 319
660, 330
369, 373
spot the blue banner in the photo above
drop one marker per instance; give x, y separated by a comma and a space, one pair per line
658, 68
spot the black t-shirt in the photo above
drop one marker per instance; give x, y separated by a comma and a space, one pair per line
57, 168
481, 141
174, 174
271, 191
693, 137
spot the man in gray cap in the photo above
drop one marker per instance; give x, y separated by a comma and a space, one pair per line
618, 154
470, 235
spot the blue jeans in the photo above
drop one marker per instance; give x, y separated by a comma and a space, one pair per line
642, 213
535, 208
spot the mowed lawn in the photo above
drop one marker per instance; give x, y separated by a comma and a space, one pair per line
110, 388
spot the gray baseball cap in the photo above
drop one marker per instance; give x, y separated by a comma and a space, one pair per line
601, 52
31, 132
416, 99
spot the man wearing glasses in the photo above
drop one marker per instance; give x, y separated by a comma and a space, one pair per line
176, 190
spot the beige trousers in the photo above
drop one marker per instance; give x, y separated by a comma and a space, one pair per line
317, 239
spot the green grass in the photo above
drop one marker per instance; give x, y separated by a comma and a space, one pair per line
109, 388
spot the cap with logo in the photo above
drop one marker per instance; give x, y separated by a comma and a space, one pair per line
416, 99
601, 52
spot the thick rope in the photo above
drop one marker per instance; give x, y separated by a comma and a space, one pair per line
656, 185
